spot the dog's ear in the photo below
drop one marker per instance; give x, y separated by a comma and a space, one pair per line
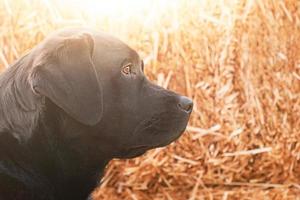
64, 72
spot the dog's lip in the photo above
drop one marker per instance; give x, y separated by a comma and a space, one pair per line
172, 140
136, 151
139, 150
163, 144
139, 147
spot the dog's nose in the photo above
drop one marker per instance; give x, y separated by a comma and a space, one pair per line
185, 104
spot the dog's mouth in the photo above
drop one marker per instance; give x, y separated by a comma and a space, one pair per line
141, 149
135, 151
157, 131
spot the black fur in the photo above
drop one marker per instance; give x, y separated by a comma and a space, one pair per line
67, 109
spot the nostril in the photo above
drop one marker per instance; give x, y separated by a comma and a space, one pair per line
185, 104
189, 107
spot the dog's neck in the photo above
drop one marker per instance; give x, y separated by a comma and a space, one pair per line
69, 168
45, 162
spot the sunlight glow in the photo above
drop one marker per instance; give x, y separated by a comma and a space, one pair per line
116, 8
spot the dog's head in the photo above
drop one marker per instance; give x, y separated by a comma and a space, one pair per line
98, 83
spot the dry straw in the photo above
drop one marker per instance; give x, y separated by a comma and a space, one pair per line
240, 62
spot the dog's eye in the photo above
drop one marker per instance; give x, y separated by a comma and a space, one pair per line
127, 69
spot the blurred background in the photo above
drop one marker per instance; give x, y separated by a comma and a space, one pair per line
239, 60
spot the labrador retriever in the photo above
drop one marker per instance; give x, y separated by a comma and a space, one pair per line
74, 102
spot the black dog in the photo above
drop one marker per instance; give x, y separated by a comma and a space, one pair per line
74, 102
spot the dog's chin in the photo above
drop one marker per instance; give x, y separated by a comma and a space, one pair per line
134, 152
142, 149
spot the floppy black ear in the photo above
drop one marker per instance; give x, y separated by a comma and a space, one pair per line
65, 73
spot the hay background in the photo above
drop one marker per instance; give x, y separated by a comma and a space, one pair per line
238, 60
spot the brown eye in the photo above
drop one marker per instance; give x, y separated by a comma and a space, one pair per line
127, 69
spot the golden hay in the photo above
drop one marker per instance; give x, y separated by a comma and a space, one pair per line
238, 60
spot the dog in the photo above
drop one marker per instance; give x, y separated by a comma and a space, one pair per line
74, 102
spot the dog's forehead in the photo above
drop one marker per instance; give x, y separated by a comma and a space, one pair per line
108, 45
112, 52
